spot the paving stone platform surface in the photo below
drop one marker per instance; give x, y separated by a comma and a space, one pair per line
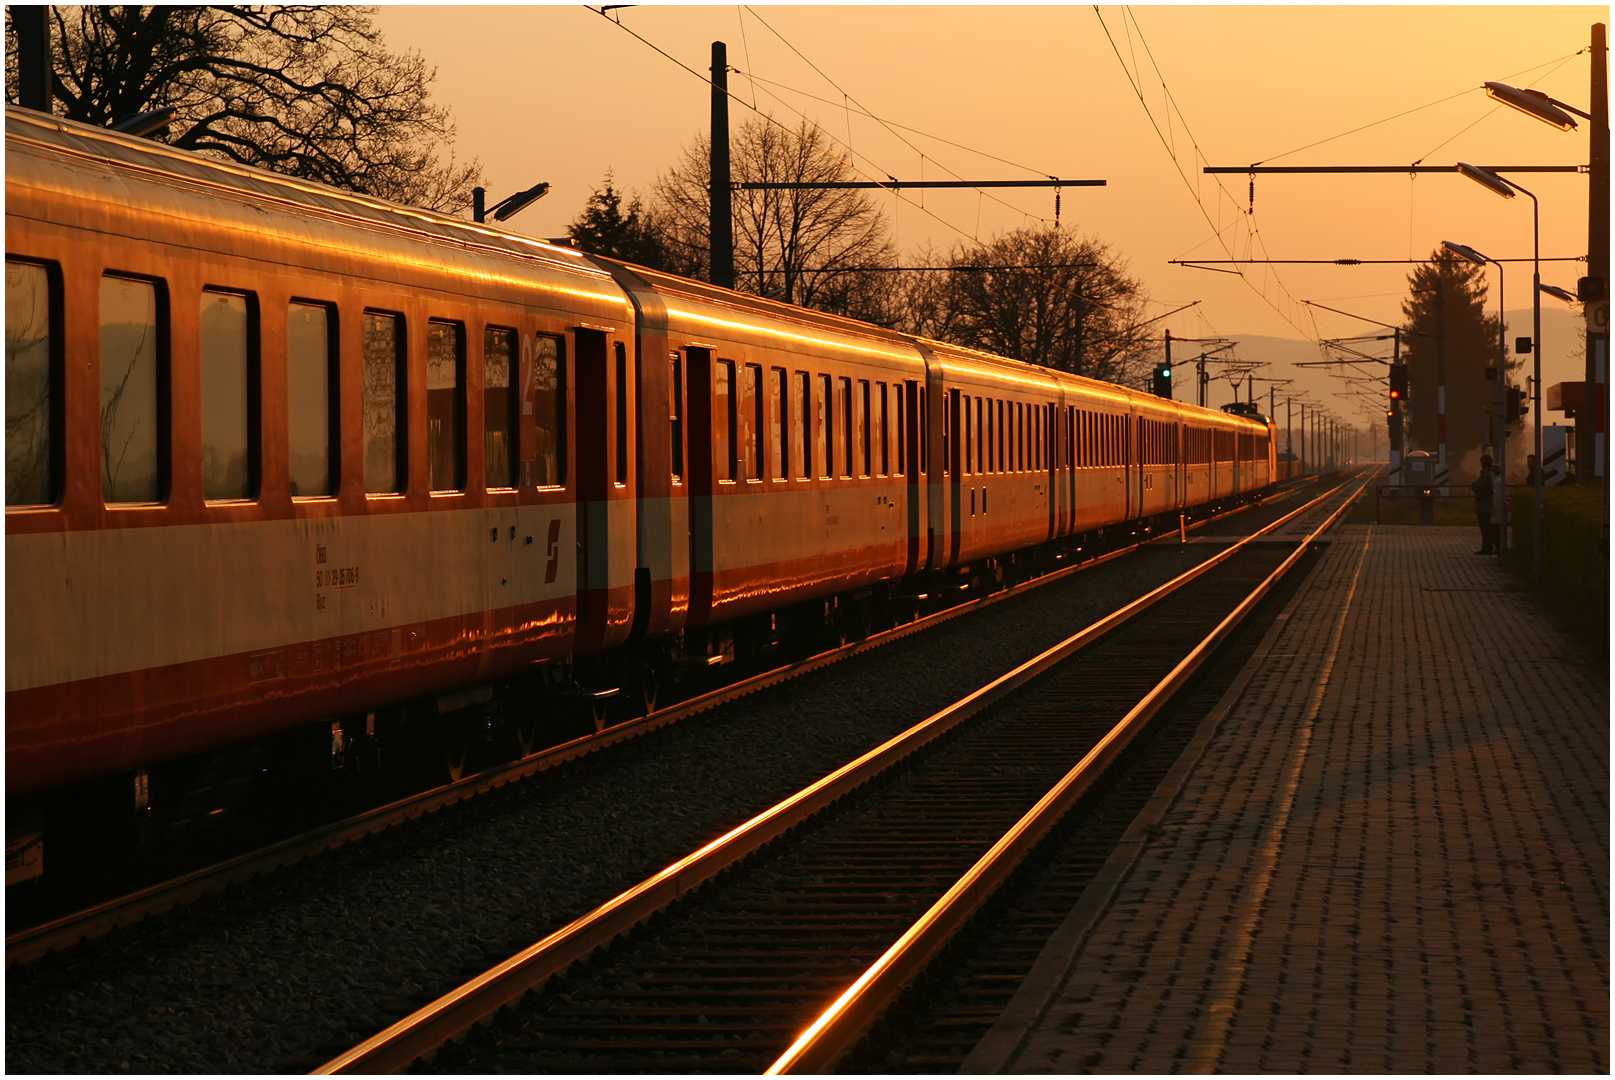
1392, 856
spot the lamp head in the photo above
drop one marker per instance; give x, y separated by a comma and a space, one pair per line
1488, 180
1531, 103
518, 202
146, 123
1464, 251
1558, 293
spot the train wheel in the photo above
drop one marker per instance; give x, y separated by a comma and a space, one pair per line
456, 755
526, 734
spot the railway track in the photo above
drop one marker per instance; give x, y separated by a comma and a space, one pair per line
779, 945
64, 932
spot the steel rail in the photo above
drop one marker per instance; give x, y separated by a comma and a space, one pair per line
837, 1030
451, 1015
62, 933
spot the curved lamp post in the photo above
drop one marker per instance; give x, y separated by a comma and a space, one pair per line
1464, 251
1506, 188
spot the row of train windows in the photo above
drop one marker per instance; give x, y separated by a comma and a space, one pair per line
135, 415
1000, 436
784, 424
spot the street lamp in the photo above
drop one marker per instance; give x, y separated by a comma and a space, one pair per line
1466, 252
1506, 188
1592, 420
507, 208
1535, 103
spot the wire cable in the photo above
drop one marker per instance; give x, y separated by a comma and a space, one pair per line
1177, 165
1489, 113
766, 117
1417, 108
846, 98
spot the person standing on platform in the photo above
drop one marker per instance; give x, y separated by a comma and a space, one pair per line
1485, 490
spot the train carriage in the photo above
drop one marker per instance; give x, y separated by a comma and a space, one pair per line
261, 506
282, 459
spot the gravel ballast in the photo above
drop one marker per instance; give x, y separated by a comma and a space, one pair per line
290, 970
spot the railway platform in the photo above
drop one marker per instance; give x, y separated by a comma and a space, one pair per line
1386, 850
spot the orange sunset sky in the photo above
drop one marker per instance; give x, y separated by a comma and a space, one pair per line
561, 94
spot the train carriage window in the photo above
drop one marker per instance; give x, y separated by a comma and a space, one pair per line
723, 420
801, 428
779, 465
968, 423
445, 406
675, 412
883, 451
32, 396
983, 417
133, 417
987, 462
1022, 418
229, 395
924, 439
311, 396
861, 425
549, 412
385, 463
1002, 442
500, 446
753, 422
900, 410
992, 440
822, 441
844, 425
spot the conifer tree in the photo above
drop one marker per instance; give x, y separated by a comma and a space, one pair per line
604, 229
1447, 326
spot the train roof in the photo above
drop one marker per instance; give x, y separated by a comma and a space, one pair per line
27, 129
156, 163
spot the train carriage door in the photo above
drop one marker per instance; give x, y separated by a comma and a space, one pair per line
1046, 439
605, 497
1177, 465
702, 478
1124, 438
909, 460
957, 428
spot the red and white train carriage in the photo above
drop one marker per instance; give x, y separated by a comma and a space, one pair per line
279, 455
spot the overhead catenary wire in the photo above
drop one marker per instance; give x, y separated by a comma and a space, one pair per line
1167, 143
900, 127
865, 111
1417, 108
1490, 112
766, 117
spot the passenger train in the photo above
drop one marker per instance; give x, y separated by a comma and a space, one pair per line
282, 459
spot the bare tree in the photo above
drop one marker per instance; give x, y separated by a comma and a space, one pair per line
304, 90
802, 245
1047, 296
